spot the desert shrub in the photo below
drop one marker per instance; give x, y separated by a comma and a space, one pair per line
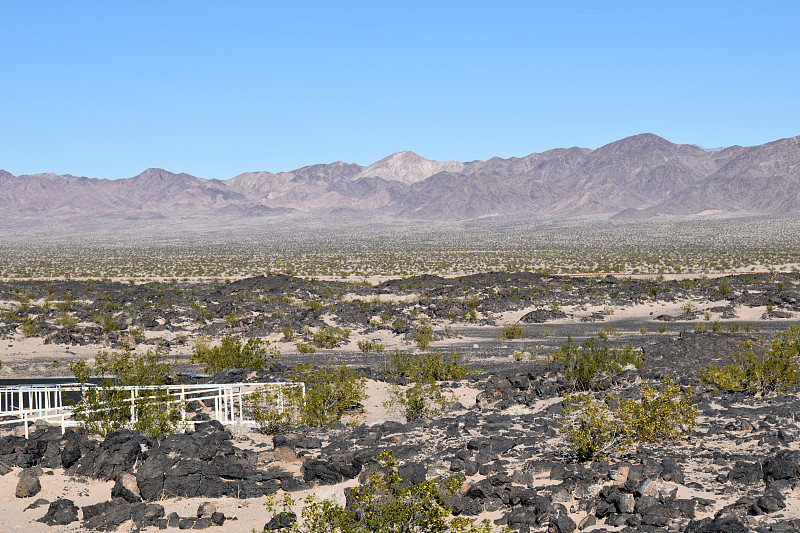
384, 504
371, 346
330, 337
306, 347
65, 319
591, 428
774, 369
105, 407
587, 363
595, 429
275, 410
723, 288
422, 397
314, 305
105, 321
254, 354
331, 391
658, 415
233, 319
203, 313
137, 334
424, 337
511, 331
288, 333
662, 328
29, 327
436, 366
608, 332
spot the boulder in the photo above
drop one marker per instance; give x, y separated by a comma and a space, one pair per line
60, 513
280, 521
127, 488
27, 486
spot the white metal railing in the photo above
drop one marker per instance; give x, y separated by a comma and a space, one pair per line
29, 403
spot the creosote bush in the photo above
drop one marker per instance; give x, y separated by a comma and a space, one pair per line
596, 429
586, 363
422, 397
774, 369
384, 504
330, 392
424, 337
254, 354
330, 337
105, 408
371, 346
511, 331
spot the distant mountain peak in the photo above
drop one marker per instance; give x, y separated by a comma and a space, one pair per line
408, 167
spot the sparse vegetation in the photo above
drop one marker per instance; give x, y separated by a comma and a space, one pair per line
511, 331
586, 363
254, 354
772, 368
384, 504
105, 407
422, 396
596, 429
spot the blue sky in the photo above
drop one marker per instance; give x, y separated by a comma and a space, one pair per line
107, 89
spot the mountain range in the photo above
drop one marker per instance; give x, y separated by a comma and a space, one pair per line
637, 177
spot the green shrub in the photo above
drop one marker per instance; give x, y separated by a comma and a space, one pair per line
424, 337
596, 429
591, 428
774, 369
423, 397
315, 306
385, 504
105, 407
585, 364
233, 319
29, 327
330, 392
330, 337
511, 331
254, 354
723, 288
434, 366
105, 321
658, 415
371, 346
137, 334
608, 332
66, 319
306, 347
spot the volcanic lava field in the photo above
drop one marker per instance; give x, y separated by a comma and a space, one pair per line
736, 470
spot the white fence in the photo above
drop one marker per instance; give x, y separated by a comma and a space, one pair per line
227, 402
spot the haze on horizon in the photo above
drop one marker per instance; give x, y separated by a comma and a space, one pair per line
108, 89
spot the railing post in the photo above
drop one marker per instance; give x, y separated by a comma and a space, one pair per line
133, 412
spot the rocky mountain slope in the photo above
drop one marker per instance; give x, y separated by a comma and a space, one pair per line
637, 177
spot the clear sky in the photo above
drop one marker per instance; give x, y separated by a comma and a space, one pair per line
108, 88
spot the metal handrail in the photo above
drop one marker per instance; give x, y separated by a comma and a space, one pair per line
45, 402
